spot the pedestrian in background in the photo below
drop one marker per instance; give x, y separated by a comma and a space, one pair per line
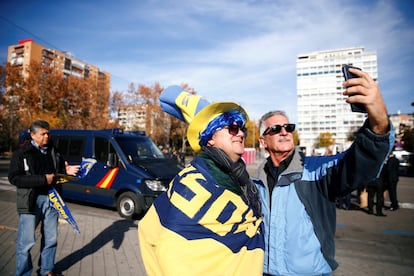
32, 170
298, 192
345, 202
375, 190
208, 221
391, 177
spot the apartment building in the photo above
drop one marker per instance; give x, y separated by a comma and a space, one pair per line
133, 116
320, 103
155, 123
27, 51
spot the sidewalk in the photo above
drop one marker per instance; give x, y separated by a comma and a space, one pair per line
365, 244
104, 246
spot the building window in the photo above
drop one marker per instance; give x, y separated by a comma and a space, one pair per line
67, 64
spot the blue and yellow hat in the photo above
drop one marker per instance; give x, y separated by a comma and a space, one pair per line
194, 110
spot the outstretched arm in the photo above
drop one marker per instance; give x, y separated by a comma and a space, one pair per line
366, 91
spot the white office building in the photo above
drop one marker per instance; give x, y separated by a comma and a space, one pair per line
321, 105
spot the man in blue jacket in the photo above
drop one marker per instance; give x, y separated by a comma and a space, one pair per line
298, 193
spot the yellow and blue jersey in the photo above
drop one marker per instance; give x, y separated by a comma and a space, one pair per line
198, 227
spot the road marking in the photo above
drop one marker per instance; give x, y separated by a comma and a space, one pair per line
398, 232
5, 184
406, 205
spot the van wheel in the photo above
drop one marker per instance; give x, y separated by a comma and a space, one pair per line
127, 205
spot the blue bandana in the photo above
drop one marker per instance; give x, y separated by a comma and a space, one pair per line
224, 119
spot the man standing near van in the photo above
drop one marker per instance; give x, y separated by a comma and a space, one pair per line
32, 171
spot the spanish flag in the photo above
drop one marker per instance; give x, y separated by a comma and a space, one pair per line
200, 228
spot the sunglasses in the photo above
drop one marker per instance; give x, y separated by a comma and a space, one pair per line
275, 129
234, 129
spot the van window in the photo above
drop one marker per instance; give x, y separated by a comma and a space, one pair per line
102, 148
70, 147
139, 148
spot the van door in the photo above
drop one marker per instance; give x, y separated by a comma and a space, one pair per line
102, 175
72, 148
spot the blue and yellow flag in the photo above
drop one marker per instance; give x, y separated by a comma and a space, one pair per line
200, 228
57, 202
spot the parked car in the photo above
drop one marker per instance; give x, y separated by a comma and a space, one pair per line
129, 173
406, 159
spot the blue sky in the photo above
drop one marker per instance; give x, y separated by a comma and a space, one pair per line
228, 50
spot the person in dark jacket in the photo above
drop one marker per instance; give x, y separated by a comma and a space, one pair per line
375, 189
391, 178
32, 170
298, 192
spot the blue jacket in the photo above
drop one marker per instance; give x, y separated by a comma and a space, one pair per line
300, 220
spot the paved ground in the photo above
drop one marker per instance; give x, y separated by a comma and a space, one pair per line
365, 244
104, 247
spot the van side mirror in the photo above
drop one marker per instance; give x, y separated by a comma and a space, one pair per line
112, 160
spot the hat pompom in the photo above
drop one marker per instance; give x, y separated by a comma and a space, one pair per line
194, 110
181, 104
167, 101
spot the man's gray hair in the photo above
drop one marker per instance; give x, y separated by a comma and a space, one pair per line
266, 116
38, 124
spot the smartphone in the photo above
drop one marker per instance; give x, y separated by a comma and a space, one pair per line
355, 107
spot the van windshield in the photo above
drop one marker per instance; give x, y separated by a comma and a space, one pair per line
139, 148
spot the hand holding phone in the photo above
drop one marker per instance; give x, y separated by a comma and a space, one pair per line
355, 107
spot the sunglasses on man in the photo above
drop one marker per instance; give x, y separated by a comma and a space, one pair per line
234, 129
275, 129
